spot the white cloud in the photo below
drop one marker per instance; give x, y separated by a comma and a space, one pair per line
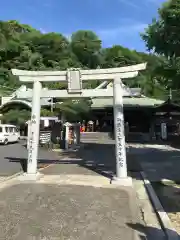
45, 3
125, 29
140, 5
43, 30
155, 2
68, 36
127, 35
131, 4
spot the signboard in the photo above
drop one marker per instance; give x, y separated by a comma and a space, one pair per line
163, 131
31, 140
120, 139
46, 122
72, 137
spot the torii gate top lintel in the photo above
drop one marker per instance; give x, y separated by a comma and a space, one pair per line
109, 71
74, 78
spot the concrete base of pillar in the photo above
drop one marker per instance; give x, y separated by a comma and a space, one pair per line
30, 177
126, 182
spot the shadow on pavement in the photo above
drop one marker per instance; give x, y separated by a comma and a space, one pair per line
23, 162
99, 158
158, 164
149, 233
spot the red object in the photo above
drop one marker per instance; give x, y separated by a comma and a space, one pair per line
82, 129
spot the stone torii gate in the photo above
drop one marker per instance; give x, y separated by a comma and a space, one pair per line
74, 79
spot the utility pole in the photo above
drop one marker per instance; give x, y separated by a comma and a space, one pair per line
170, 89
170, 93
52, 106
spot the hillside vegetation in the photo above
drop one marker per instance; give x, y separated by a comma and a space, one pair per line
24, 47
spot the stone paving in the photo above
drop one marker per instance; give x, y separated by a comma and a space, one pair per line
51, 211
93, 159
74, 200
71, 201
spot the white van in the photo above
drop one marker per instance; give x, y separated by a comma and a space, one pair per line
9, 134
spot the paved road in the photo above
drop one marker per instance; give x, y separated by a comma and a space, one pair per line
71, 210
158, 161
13, 156
96, 157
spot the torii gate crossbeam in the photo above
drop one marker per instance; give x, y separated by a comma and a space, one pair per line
74, 78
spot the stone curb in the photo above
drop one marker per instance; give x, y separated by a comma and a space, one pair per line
11, 177
146, 210
19, 174
42, 168
165, 222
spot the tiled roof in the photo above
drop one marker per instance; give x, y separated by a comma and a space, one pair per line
128, 102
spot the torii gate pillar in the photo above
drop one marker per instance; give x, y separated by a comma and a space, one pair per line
121, 165
74, 78
33, 139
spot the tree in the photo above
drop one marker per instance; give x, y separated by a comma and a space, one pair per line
46, 113
26, 48
73, 110
86, 46
117, 56
162, 37
15, 116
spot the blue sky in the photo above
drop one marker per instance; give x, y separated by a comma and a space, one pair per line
115, 21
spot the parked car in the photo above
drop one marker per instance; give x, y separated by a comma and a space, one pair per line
9, 134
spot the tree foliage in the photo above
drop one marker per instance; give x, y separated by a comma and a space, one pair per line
24, 47
163, 38
15, 116
86, 46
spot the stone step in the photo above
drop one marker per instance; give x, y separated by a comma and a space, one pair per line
96, 135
